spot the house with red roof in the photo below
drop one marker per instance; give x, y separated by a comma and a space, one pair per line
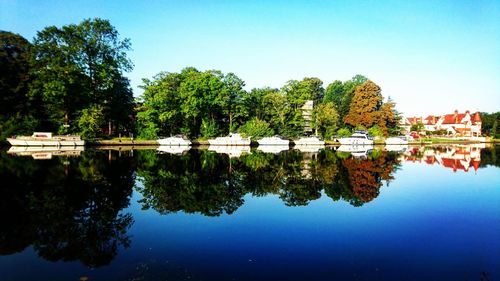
456, 124
460, 124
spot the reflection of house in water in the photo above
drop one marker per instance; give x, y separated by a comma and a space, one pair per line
307, 158
452, 157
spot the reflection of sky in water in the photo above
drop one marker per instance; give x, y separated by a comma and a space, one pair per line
437, 226
428, 224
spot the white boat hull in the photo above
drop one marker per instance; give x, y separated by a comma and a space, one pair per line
21, 142
226, 143
273, 141
309, 141
355, 141
174, 142
312, 148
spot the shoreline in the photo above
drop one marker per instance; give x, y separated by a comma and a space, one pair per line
197, 143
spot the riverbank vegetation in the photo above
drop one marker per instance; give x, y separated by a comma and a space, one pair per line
71, 79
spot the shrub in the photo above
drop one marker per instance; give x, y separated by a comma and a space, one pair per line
344, 132
376, 131
209, 128
256, 128
17, 125
91, 121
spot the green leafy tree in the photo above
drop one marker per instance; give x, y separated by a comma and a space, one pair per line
343, 132
494, 130
91, 121
14, 73
419, 127
209, 128
334, 93
232, 99
17, 109
279, 111
256, 128
325, 119
78, 66
487, 122
376, 131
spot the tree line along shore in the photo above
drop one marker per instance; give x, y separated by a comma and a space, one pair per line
72, 80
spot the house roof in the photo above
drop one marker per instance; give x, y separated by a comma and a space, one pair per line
431, 120
447, 119
414, 120
455, 118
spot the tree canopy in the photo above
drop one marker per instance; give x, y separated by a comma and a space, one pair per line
78, 66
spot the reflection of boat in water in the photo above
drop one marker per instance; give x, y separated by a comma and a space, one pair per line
396, 148
232, 139
178, 140
273, 148
357, 138
173, 149
314, 141
276, 140
45, 152
309, 148
358, 151
396, 140
232, 151
46, 139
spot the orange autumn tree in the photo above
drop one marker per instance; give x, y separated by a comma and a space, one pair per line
367, 108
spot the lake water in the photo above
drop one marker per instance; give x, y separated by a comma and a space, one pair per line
424, 213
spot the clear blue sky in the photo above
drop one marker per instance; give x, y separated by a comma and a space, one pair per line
429, 56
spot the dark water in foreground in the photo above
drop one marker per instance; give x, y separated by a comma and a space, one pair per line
429, 213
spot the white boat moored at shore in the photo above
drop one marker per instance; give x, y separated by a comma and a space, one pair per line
310, 148
275, 140
178, 140
46, 139
357, 138
231, 140
304, 141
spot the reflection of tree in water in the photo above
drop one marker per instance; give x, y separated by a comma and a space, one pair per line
358, 181
490, 156
198, 182
212, 184
67, 211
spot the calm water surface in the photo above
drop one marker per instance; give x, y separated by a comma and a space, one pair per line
424, 213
